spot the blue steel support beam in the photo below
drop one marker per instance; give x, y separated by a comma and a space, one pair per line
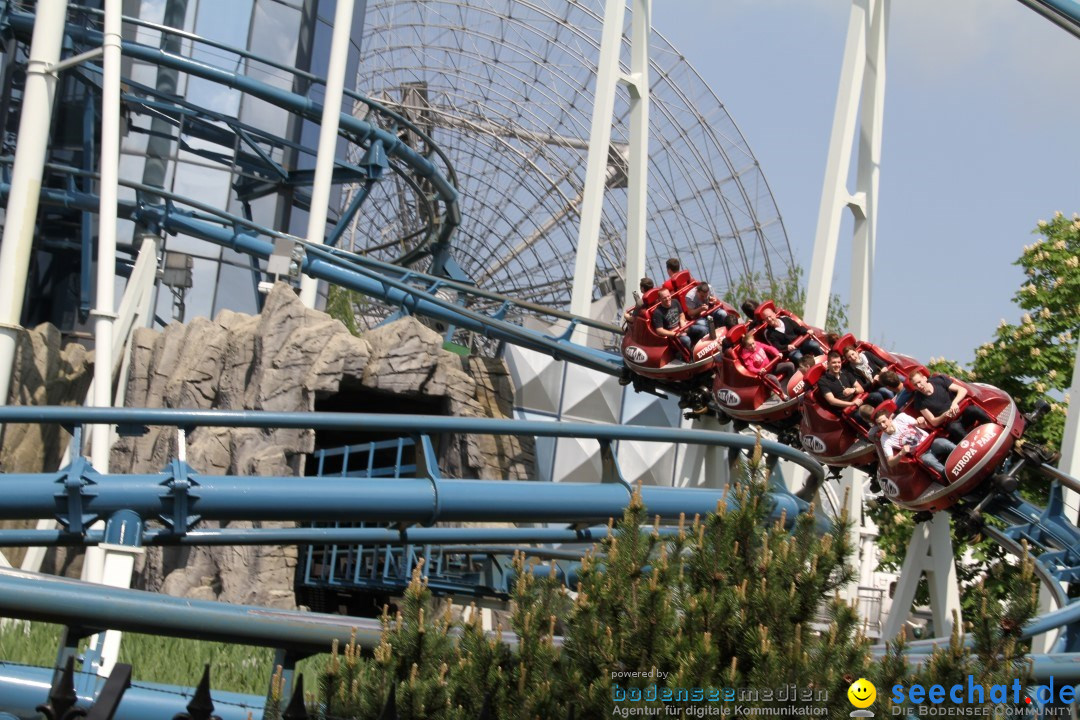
302, 105
408, 500
48, 598
330, 267
404, 424
1063, 13
326, 536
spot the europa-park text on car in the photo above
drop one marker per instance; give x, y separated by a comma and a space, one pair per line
710, 376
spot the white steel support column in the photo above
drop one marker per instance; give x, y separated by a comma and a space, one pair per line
1070, 440
850, 489
607, 78
104, 564
637, 194
931, 551
104, 312
864, 203
328, 139
105, 295
26, 174
1070, 464
862, 75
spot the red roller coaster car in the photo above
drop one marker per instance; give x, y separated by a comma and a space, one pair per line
754, 396
836, 438
913, 485
666, 359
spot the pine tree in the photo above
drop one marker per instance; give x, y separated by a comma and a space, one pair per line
995, 654
728, 602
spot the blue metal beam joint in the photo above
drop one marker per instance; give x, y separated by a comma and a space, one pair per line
178, 501
71, 502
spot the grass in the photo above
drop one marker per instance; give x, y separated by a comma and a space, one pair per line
156, 659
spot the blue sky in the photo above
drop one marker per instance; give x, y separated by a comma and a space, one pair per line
981, 141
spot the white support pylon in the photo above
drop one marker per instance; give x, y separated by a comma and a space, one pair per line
1070, 440
637, 193
1069, 464
859, 109
26, 178
99, 561
930, 551
328, 139
608, 77
862, 76
858, 117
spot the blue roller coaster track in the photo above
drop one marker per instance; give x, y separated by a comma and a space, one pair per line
408, 492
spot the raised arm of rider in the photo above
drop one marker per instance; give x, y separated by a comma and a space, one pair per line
961, 393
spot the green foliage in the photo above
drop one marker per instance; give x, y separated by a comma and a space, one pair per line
728, 602
997, 653
344, 305
789, 292
1033, 361
973, 555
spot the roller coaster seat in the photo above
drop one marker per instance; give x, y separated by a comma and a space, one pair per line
844, 343
811, 378
813, 375
888, 406
759, 313
681, 279
735, 335
678, 281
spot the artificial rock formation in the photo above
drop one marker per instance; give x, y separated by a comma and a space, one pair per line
45, 372
286, 359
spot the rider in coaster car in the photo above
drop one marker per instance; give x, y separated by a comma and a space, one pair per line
937, 400
782, 332
867, 368
667, 318
730, 322
840, 388
644, 286
749, 309
900, 435
697, 304
673, 266
891, 381
756, 356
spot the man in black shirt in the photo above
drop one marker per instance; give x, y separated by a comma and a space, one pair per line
840, 389
937, 400
781, 332
667, 318
838, 386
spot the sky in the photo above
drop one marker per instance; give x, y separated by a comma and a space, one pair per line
981, 141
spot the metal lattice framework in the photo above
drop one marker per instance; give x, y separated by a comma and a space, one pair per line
505, 88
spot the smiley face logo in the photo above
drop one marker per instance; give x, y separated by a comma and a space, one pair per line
862, 693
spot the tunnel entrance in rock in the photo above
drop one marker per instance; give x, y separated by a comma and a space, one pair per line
349, 579
355, 398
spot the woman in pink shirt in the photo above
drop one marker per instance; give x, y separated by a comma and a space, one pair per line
756, 356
